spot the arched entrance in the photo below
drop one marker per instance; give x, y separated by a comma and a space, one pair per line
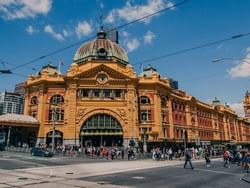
58, 138
101, 130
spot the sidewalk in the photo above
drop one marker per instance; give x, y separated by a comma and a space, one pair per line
55, 176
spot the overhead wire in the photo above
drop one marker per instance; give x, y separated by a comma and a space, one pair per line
92, 37
191, 49
3, 62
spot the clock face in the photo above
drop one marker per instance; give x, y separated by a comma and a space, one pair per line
102, 78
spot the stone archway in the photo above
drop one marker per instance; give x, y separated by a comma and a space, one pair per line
58, 138
101, 130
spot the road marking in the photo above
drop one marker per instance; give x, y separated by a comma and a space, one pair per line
138, 177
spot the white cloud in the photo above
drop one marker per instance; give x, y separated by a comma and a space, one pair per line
242, 69
220, 46
110, 18
248, 50
83, 29
132, 44
30, 30
124, 34
238, 107
49, 29
148, 37
19, 9
66, 33
130, 12
170, 4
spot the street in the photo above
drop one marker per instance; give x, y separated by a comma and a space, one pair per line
21, 170
12, 160
175, 176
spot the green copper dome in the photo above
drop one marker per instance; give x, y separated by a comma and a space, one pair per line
100, 49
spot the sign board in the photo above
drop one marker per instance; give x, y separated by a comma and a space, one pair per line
205, 143
197, 141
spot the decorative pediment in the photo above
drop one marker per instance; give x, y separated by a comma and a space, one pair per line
101, 71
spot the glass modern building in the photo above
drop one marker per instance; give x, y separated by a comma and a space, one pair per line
12, 103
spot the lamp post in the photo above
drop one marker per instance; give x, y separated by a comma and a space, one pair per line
144, 141
54, 129
164, 143
8, 137
185, 139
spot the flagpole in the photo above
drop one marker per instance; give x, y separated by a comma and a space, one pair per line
59, 67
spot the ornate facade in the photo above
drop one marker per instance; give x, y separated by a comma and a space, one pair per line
101, 101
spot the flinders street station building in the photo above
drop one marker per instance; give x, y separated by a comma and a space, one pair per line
101, 101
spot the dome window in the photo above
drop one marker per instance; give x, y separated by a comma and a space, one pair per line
102, 53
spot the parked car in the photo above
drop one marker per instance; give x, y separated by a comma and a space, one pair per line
37, 151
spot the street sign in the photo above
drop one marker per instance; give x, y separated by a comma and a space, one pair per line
197, 141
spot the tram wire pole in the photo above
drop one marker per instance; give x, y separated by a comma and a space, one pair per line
54, 129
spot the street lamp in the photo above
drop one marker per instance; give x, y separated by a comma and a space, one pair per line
54, 117
185, 139
144, 140
164, 143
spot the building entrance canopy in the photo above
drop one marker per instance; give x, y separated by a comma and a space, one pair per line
19, 129
17, 120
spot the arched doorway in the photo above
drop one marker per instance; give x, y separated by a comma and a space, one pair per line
101, 130
58, 138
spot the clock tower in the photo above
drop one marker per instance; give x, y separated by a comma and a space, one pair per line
246, 104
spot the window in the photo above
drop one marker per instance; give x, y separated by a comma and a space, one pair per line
96, 92
85, 92
102, 121
56, 99
34, 100
163, 102
56, 114
118, 93
107, 92
144, 100
145, 115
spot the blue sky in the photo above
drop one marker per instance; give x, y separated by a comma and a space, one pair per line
32, 28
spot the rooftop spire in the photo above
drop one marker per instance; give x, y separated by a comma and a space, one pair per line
101, 34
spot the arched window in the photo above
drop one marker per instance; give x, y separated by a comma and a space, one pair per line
101, 124
144, 100
34, 100
164, 101
56, 99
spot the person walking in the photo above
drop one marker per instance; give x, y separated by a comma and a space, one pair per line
226, 156
188, 156
207, 157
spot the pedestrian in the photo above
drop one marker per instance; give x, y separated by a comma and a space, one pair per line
122, 154
188, 156
207, 157
226, 156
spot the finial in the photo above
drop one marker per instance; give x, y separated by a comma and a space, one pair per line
101, 34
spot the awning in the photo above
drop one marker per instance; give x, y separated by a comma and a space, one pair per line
56, 136
100, 133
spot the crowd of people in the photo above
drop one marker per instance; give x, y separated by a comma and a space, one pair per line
239, 157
